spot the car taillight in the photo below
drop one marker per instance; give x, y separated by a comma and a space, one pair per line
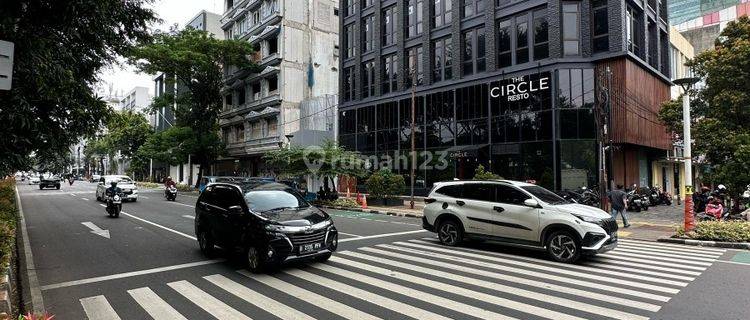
429, 200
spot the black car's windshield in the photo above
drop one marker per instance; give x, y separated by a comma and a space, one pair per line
271, 200
544, 195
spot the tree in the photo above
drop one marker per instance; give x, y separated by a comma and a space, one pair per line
327, 162
60, 47
195, 58
721, 109
482, 174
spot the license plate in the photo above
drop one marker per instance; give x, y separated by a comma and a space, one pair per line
310, 247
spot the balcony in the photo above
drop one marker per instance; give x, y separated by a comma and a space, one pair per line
270, 100
271, 19
262, 145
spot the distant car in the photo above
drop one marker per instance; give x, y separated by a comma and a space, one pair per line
50, 182
270, 221
34, 180
127, 185
95, 178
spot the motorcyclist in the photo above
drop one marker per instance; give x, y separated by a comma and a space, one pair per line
700, 199
715, 207
168, 183
112, 190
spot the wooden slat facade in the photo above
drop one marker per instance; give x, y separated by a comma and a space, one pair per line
636, 98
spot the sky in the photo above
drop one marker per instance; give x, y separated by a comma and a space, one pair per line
122, 78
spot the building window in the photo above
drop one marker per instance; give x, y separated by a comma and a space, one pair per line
241, 97
541, 35
389, 26
474, 52
349, 85
390, 74
350, 41
413, 18
472, 7
600, 26
632, 31
504, 55
442, 52
368, 23
350, 7
652, 44
366, 3
522, 41
442, 10
273, 84
414, 61
571, 29
368, 79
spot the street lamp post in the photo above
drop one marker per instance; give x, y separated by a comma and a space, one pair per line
413, 144
686, 84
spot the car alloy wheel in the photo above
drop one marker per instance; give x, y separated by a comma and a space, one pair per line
563, 247
253, 259
449, 233
205, 243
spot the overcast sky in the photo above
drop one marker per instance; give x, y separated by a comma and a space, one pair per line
123, 78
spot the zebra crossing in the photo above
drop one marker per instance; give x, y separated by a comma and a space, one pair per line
421, 279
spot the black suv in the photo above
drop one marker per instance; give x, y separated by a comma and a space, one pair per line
269, 221
49, 182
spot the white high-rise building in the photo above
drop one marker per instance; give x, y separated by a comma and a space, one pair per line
296, 47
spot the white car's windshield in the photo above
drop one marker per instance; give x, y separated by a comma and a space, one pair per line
544, 195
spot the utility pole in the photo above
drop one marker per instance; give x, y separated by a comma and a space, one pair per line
686, 84
413, 144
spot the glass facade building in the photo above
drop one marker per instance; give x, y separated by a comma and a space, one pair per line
515, 86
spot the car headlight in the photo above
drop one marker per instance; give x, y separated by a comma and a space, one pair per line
587, 219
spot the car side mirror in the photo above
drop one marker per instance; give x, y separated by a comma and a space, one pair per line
531, 203
235, 210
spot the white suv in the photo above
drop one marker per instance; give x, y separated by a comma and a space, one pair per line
520, 214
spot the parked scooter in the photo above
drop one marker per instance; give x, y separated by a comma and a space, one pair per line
170, 193
114, 205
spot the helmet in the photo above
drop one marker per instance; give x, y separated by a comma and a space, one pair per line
722, 187
169, 178
113, 183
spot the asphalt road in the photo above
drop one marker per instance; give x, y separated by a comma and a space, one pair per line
146, 264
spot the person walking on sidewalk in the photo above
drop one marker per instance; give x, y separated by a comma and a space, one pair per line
619, 200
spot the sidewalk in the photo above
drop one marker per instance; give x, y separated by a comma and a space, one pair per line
649, 225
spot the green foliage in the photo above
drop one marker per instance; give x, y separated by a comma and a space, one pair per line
126, 132
60, 48
8, 220
340, 202
482, 174
326, 161
670, 115
195, 59
726, 231
384, 184
720, 110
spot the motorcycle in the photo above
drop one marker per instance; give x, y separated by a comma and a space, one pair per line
589, 197
170, 193
637, 202
114, 205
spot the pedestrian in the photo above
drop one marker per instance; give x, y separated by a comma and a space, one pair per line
619, 200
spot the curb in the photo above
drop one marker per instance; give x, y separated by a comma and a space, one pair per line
704, 243
389, 213
35, 292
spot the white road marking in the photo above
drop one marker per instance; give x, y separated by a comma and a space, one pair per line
191, 217
270, 305
128, 274
667, 255
182, 204
85, 199
154, 306
607, 262
672, 245
37, 301
348, 234
411, 292
655, 257
648, 260
527, 268
686, 252
96, 230
103, 205
98, 308
313, 298
207, 302
144, 197
73, 194
382, 235
379, 300
569, 266
161, 226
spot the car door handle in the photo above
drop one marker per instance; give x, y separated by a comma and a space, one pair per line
460, 203
498, 208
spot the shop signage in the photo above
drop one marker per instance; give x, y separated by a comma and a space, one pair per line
520, 88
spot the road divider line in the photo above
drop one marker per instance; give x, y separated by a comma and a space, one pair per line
382, 235
37, 301
350, 234
191, 217
156, 307
310, 297
182, 204
98, 308
144, 197
159, 226
85, 199
128, 274
261, 301
207, 302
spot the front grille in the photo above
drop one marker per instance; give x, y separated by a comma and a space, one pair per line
305, 238
609, 225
